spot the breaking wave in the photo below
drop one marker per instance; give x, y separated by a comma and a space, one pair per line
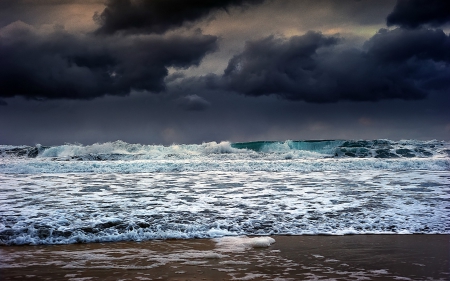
120, 150
305, 156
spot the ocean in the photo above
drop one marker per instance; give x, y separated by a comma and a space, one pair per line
116, 191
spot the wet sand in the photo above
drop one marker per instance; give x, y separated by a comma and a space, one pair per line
357, 257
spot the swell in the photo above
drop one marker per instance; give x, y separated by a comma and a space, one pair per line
120, 150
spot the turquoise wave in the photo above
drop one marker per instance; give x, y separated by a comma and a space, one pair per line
265, 149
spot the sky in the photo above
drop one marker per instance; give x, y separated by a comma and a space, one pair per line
193, 71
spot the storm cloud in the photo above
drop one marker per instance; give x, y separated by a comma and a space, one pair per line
157, 16
415, 13
191, 71
38, 63
57, 64
402, 64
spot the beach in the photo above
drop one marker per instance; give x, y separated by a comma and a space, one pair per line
349, 257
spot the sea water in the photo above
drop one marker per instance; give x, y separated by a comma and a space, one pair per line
130, 192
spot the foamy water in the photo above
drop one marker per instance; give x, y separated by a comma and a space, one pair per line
121, 192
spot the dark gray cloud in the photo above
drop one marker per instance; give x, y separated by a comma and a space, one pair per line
157, 16
155, 47
193, 103
402, 64
400, 45
61, 65
415, 13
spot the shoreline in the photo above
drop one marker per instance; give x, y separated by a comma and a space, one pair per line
305, 257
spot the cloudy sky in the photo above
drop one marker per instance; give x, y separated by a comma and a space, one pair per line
192, 71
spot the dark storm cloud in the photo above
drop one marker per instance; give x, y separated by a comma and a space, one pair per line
193, 103
157, 16
415, 13
60, 65
400, 45
401, 64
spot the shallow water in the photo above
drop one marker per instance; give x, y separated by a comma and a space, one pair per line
86, 207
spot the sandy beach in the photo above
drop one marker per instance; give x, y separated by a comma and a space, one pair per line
353, 257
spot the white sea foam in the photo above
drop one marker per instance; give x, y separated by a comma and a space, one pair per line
118, 191
37, 166
94, 207
242, 243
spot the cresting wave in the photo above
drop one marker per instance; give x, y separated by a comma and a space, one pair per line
120, 150
305, 156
